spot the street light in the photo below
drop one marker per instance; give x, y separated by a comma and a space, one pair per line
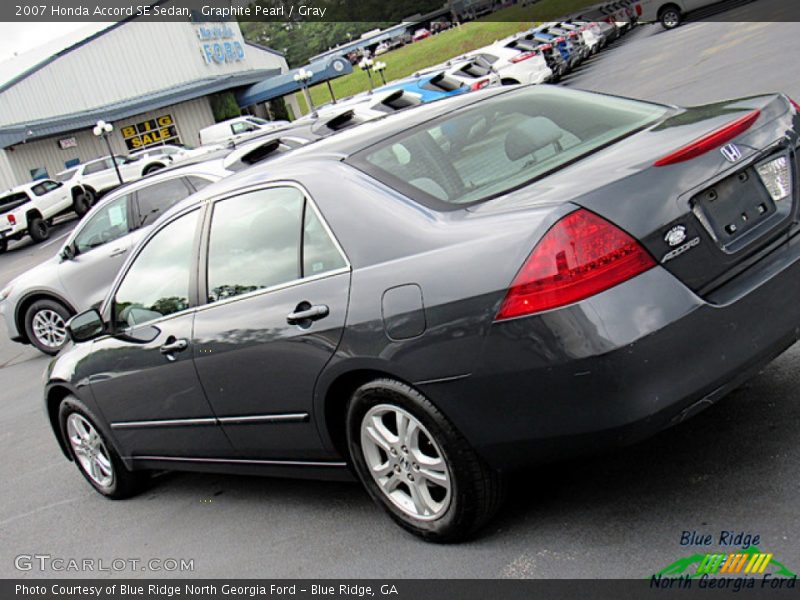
366, 65
303, 76
380, 67
103, 129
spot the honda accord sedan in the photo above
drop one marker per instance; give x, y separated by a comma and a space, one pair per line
435, 299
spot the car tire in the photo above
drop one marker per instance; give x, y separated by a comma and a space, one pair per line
81, 204
670, 17
432, 482
38, 229
152, 169
45, 325
95, 457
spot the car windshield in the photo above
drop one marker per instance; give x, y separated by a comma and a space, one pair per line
501, 144
66, 175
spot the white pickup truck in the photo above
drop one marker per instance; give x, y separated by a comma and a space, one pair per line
30, 209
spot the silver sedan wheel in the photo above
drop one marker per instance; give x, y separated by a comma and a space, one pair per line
49, 328
92, 453
406, 462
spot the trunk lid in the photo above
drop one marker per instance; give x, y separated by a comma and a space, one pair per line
705, 219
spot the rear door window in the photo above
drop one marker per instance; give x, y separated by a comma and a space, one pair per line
264, 239
155, 199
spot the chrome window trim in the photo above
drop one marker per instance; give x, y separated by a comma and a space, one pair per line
204, 205
274, 288
205, 304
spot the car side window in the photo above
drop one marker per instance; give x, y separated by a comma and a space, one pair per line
255, 242
157, 198
157, 283
242, 127
39, 189
95, 167
320, 253
109, 223
198, 183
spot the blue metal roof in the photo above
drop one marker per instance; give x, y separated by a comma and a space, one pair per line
18, 133
274, 87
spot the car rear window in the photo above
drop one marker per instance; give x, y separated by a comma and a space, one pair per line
442, 83
501, 144
66, 175
16, 198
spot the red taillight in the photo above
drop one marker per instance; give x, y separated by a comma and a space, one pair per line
523, 56
573, 34
796, 105
558, 40
479, 85
714, 140
12, 220
639, 10
580, 256
545, 47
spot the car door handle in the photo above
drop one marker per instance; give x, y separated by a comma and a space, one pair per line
305, 312
172, 346
117, 252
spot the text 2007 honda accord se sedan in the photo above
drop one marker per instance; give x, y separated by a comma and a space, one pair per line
445, 294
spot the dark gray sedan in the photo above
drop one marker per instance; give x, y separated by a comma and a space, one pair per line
435, 299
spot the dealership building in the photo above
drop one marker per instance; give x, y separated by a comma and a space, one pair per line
154, 81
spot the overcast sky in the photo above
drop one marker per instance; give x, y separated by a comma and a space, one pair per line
19, 37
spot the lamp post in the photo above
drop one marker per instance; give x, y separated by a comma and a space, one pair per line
303, 76
380, 67
103, 129
366, 65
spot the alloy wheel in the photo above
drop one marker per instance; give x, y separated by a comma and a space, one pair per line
49, 328
90, 450
671, 19
406, 462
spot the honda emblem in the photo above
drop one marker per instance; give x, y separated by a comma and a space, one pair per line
731, 152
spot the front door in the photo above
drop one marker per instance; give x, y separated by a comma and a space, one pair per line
101, 246
145, 383
277, 289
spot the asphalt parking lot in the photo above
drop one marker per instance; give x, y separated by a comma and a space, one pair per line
620, 514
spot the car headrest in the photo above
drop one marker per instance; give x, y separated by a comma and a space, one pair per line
531, 136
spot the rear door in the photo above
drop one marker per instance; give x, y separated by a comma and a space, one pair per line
277, 287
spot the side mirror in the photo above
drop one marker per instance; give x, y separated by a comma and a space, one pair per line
85, 326
67, 252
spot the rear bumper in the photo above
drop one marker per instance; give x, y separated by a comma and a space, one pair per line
622, 365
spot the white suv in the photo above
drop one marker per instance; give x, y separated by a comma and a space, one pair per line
515, 65
99, 176
29, 208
